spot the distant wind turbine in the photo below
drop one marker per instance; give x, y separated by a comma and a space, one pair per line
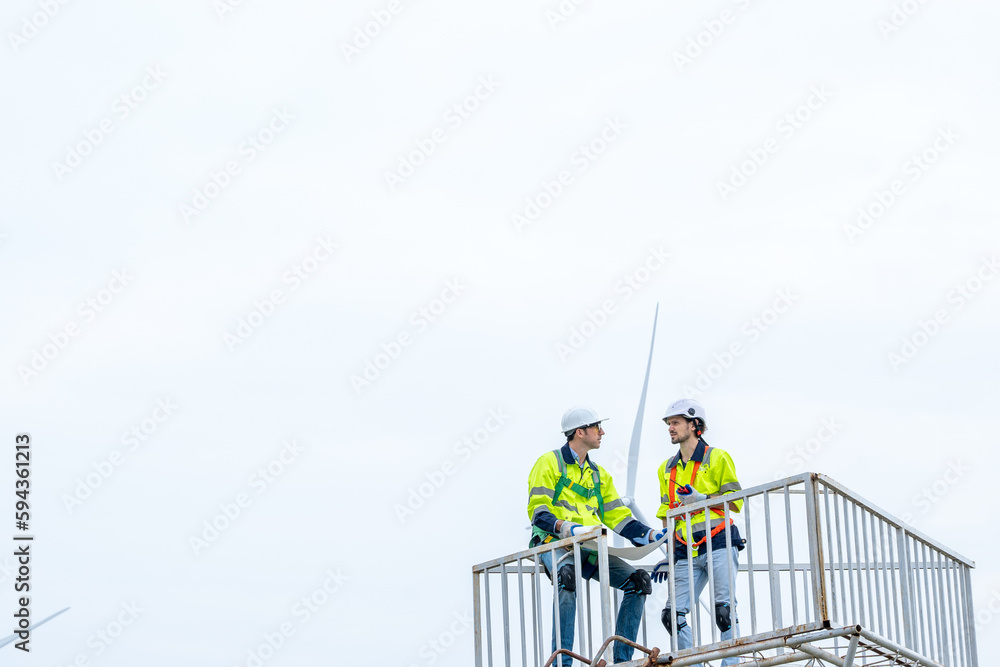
633, 450
11, 639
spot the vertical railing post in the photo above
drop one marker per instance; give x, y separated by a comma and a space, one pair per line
506, 615
970, 623
817, 566
905, 588
747, 520
771, 571
477, 616
729, 568
790, 538
750, 573
536, 610
671, 585
940, 602
605, 576
520, 600
590, 616
713, 629
489, 617
556, 612
694, 617
581, 624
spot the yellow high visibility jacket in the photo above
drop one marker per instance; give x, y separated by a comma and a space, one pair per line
714, 474
559, 487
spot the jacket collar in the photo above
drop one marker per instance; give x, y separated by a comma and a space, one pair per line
567, 455
699, 454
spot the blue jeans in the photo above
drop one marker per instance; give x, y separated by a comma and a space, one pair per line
682, 594
629, 614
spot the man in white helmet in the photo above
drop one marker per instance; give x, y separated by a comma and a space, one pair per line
567, 492
697, 472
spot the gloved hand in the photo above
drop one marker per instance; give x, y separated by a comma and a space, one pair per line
569, 529
661, 571
651, 536
689, 496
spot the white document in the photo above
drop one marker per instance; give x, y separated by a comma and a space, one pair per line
629, 553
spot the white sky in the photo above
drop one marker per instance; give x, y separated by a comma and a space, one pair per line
678, 131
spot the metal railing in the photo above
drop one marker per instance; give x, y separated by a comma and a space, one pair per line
818, 556
514, 564
893, 580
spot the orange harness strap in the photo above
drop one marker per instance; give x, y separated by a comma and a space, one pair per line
672, 494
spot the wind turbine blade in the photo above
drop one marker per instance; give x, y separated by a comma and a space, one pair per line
633, 450
14, 637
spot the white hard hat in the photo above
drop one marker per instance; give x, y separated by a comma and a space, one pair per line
577, 417
685, 408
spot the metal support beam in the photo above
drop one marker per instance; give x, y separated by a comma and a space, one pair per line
896, 648
852, 649
825, 656
735, 647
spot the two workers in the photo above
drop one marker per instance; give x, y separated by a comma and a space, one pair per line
568, 492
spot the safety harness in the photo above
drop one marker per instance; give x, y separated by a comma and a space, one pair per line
566, 482
674, 503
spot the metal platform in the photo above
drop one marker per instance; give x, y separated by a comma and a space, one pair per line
827, 577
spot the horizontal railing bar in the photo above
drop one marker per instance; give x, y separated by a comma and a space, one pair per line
511, 567
743, 494
542, 548
828, 566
